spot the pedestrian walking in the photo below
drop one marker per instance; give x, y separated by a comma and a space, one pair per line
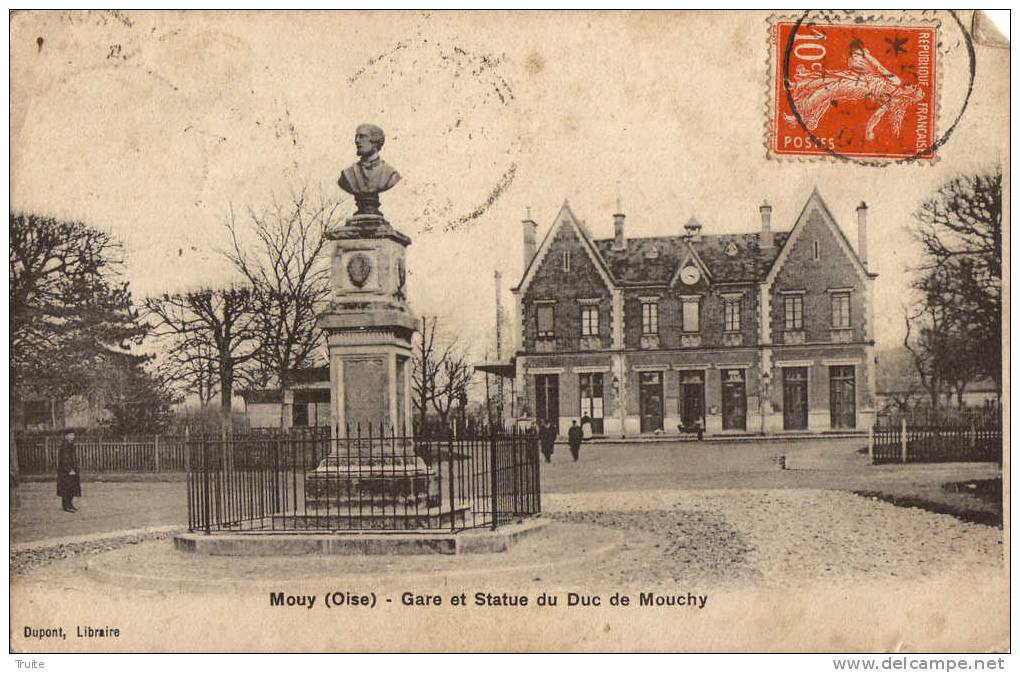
68, 477
574, 437
547, 435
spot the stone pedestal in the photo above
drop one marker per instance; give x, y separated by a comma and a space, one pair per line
368, 329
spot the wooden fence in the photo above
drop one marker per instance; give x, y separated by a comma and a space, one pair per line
905, 443
154, 453
37, 452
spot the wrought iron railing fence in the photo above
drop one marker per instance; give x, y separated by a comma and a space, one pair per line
365, 480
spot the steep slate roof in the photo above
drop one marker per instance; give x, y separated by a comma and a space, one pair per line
633, 266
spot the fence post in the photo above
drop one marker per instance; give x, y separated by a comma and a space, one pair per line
205, 480
973, 434
155, 451
492, 472
535, 466
46, 455
903, 440
871, 444
453, 505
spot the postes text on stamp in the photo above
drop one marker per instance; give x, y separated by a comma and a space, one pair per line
853, 90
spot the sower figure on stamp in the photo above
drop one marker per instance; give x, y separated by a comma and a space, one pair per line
817, 92
68, 478
574, 437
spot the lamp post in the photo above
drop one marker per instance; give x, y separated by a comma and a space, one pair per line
763, 401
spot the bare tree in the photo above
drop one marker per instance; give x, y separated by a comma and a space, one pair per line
193, 376
289, 279
452, 383
441, 373
424, 369
924, 350
958, 329
213, 335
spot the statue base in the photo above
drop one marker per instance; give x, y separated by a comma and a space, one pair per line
369, 481
378, 483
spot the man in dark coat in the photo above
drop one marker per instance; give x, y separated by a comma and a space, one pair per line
547, 435
574, 437
68, 479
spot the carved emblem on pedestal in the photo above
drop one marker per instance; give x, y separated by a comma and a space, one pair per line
358, 269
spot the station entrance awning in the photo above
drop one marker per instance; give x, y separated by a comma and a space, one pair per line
503, 368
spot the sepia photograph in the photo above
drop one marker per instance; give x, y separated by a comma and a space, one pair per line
510, 331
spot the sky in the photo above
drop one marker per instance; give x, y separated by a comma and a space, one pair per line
154, 125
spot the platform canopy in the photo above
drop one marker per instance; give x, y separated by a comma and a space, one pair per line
504, 368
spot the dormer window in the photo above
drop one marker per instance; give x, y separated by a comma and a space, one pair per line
653, 252
731, 249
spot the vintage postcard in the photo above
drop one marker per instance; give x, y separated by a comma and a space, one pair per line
509, 332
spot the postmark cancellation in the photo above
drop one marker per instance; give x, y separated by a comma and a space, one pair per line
853, 89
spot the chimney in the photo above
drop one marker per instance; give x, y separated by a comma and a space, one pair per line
862, 233
693, 230
619, 242
766, 240
530, 232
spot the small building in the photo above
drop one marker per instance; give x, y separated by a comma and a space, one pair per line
898, 393
768, 331
306, 403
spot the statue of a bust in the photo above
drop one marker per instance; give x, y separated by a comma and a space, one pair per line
371, 175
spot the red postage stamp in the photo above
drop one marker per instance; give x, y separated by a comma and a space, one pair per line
853, 90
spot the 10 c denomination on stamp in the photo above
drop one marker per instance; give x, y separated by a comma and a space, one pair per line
853, 90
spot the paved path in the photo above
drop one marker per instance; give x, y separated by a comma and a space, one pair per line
108, 507
105, 507
821, 463
783, 559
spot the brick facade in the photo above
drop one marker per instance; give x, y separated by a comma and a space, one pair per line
755, 379
566, 289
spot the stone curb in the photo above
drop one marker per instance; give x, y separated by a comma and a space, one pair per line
98, 573
360, 544
684, 439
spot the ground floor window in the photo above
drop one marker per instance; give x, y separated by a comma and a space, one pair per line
734, 399
651, 401
795, 398
547, 398
842, 396
592, 400
310, 408
692, 399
